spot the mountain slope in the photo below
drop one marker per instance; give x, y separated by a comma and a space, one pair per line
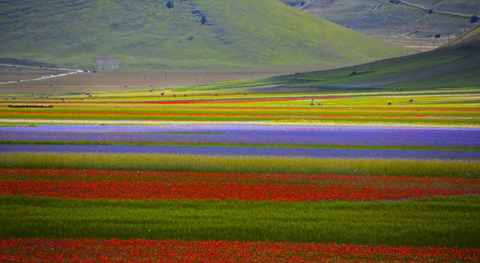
470, 39
405, 19
178, 34
453, 66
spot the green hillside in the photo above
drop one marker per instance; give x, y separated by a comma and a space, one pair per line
469, 39
179, 34
453, 66
405, 20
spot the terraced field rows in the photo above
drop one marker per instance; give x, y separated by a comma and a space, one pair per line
160, 181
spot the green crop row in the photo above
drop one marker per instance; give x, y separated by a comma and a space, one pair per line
248, 164
362, 121
242, 109
449, 221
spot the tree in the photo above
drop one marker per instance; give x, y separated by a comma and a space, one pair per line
170, 4
204, 20
474, 19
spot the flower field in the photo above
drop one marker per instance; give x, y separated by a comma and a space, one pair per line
97, 184
340, 142
257, 178
251, 135
220, 251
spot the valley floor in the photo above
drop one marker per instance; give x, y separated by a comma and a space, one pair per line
241, 176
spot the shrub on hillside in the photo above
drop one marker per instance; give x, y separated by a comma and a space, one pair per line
295, 3
474, 19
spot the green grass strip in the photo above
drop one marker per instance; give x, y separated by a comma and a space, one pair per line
248, 164
423, 222
353, 147
360, 121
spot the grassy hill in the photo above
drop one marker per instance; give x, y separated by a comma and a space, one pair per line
179, 34
469, 39
401, 19
454, 65
451, 66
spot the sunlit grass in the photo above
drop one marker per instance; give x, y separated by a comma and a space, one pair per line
250, 164
449, 221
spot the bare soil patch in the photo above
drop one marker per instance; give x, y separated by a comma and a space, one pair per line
12, 76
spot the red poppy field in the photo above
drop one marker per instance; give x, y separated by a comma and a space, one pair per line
97, 184
141, 250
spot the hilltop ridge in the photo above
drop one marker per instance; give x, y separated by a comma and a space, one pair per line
399, 21
189, 34
470, 39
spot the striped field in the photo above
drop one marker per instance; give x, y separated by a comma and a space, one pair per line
243, 178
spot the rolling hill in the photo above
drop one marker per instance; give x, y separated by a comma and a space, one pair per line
469, 39
454, 65
115, 35
402, 19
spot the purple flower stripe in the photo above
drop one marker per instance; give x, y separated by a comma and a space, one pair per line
215, 128
265, 151
256, 135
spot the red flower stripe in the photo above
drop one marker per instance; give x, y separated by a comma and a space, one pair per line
102, 175
141, 250
232, 186
218, 191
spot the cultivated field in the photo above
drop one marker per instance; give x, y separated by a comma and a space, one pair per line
226, 172
123, 81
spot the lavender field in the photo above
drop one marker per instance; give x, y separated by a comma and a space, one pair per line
251, 135
276, 140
